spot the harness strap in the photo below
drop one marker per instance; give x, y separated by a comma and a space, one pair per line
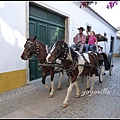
72, 67
94, 57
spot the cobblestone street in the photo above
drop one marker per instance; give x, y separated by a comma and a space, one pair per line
32, 101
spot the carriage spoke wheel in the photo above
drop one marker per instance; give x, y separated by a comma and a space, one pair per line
111, 66
101, 73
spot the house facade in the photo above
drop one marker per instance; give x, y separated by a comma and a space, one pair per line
48, 21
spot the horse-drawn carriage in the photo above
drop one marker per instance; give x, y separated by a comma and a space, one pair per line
72, 62
89, 64
105, 64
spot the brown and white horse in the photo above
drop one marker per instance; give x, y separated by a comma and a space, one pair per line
33, 46
75, 64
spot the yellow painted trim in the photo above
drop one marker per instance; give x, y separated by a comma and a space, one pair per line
116, 55
12, 80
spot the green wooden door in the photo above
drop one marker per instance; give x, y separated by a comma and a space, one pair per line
42, 32
34, 71
48, 28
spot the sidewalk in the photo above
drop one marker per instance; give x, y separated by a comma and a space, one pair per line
31, 101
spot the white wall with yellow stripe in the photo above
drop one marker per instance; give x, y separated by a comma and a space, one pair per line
12, 39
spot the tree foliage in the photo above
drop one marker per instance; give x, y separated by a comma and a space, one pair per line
111, 4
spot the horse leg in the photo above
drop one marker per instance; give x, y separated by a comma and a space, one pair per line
52, 84
69, 80
60, 81
77, 89
76, 86
52, 89
88, 82
43, 82
44, 74
65, 102
92, 86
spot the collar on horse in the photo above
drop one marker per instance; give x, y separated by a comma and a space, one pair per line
72, 67
73, 58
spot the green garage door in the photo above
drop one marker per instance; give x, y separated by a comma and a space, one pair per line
48, 27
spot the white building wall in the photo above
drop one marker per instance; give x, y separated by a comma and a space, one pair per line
12, 35
82, 17
117, 46
13, 29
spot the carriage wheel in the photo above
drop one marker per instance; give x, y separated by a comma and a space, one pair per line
111, 66
102, 73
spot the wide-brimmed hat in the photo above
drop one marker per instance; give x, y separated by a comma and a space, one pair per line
81, 28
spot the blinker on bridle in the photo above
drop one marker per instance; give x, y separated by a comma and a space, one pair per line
33, 49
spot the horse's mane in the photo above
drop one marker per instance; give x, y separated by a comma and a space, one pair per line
74, 55
41, 43
37, 41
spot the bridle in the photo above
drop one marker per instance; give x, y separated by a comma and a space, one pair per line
33, 48
63, 50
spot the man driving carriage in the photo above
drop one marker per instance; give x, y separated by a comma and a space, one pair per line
79, 40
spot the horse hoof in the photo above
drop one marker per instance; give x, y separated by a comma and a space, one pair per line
77, 96
58, 88
91, 91
88, 88
50, 89
64, 105
50, 96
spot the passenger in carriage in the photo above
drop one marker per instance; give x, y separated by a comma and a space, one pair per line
92, 42
101, 50
79, 40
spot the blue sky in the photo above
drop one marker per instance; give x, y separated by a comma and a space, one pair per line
111, 15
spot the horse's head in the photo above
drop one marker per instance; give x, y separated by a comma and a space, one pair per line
59, 51
28, 48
